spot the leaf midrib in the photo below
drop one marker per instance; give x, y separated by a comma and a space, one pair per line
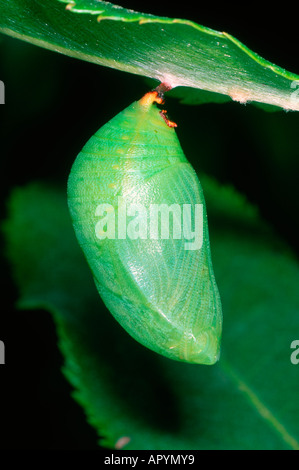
257, 404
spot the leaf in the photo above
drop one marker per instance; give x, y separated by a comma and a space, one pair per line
178, 52
130, 394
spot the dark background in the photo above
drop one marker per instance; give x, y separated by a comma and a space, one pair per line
53, 105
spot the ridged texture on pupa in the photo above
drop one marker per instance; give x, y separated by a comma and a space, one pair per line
163, 295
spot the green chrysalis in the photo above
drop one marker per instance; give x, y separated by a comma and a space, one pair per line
139, 214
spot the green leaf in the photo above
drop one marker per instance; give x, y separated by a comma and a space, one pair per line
246, 401
178, 52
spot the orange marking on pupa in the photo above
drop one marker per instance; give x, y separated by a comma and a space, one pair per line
150, 98
168, 122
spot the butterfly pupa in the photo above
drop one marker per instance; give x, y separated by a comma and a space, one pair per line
139, 215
